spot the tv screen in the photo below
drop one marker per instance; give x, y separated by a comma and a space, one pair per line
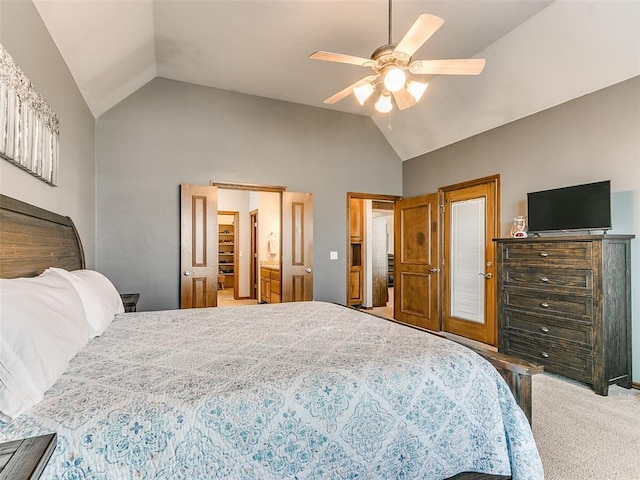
580, 207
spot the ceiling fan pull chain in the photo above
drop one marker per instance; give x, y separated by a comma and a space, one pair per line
389, 126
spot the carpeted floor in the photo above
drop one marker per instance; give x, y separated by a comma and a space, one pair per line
583, 436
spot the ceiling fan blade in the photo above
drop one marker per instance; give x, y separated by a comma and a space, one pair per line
425, 26
467, 66
341, 58
404, 99
345, 93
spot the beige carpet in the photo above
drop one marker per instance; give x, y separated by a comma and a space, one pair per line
583, 436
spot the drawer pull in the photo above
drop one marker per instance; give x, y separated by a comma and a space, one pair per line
544, 354
544, 329
544, 305
544, 279
544, 254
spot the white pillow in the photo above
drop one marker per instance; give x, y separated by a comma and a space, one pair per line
99, 297
42, 327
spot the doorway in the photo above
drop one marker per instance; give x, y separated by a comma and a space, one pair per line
370, 255
283, 244
250, 244
444, 262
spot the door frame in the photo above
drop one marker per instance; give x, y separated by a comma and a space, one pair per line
363, 196
490, 297
253, 268
251, 187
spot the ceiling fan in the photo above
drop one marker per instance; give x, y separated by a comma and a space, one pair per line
391, 63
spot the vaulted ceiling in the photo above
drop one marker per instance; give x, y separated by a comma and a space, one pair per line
539, 54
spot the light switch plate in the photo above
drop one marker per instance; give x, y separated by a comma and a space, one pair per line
333, 255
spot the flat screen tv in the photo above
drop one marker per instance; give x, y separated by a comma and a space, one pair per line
579, 207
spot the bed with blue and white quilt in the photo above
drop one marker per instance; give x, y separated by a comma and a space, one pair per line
306, 390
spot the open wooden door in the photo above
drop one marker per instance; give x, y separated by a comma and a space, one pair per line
198, 246
416, 261
297, 247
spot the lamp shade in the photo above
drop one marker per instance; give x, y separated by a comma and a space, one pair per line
363, 92
383, 105
394, 79
417, 89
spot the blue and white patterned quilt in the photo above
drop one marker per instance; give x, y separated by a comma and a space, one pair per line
298, 390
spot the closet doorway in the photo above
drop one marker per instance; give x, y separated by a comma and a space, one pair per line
370, 259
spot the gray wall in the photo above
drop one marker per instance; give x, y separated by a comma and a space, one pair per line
592, 138
27, 40
170, 132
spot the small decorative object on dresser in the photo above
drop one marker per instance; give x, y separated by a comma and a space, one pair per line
519, 227
130, 301
565, 301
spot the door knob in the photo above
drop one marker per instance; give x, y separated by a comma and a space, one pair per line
434, 270
486, 275
308, 269
187, 273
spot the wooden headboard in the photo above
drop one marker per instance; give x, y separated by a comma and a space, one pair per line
33, 239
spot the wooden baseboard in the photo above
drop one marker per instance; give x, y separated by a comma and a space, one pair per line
635, 385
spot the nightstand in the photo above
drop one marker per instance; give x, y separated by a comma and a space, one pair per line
25, 459
130, 301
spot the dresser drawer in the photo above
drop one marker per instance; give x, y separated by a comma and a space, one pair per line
574, 280
577, 254
548, 327
556, 356
536, 301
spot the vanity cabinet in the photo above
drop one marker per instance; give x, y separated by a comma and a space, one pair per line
565, 302
269, 285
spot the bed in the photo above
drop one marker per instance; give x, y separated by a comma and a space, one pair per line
296, 390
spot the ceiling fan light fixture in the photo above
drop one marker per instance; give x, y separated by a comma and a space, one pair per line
394, 79
363, 92
417, 89
383, 105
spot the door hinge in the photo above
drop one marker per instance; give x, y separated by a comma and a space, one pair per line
442, 208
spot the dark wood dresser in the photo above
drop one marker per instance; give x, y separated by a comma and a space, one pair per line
565, 302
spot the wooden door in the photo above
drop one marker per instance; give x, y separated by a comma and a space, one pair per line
198, 246
297, 247
416, 261
470, 220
